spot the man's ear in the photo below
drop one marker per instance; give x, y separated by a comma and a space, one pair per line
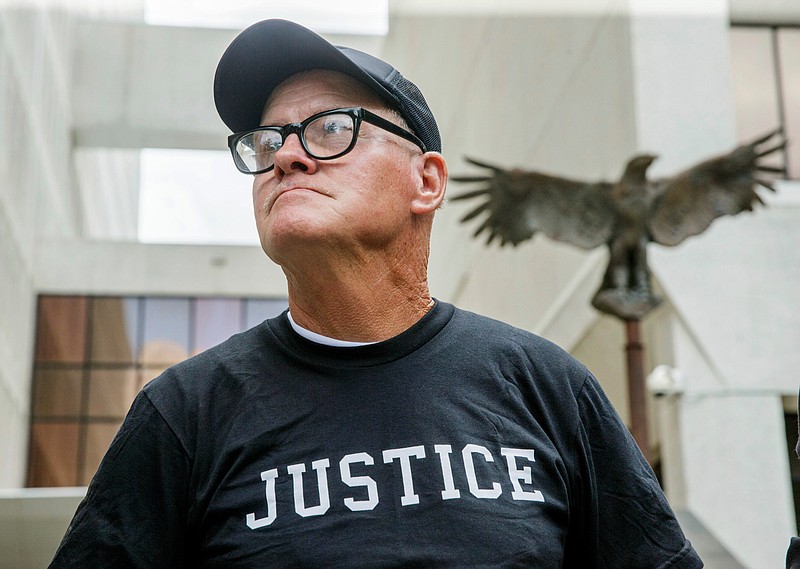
433, 178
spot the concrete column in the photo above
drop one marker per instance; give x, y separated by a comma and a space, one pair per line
727, 429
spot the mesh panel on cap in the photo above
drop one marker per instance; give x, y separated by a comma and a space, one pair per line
415, 110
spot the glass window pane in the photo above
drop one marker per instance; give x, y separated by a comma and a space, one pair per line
259, 310
789, 48
61, 329
166, 331
114, 330
111, 392
53, 455
216, 320
754, 84
57, 393
98, 439
134, 340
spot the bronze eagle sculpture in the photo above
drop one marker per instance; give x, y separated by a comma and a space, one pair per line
625, 215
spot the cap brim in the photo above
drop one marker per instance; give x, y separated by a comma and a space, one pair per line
263, 56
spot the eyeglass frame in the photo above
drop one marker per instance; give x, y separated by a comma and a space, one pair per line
358, 114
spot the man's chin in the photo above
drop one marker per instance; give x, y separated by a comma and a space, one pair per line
292, 239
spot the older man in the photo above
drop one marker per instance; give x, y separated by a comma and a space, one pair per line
369, 425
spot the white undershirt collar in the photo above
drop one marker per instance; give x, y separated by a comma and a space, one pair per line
320, 339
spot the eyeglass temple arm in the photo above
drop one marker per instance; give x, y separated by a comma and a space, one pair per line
393, 128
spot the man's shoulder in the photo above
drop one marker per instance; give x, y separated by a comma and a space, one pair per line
210, 386
235, 357
486, 338
497, 332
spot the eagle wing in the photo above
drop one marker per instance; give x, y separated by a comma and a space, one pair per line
687, 203
519, 203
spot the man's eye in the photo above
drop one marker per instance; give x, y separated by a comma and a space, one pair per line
335, 126
268, 143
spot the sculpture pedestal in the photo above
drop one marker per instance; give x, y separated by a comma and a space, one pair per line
634, 352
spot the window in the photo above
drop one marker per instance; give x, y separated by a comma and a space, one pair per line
765, 63
94, 354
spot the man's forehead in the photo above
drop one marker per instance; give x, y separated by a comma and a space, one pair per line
322, 84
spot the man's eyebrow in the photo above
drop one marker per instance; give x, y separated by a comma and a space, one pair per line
270, 121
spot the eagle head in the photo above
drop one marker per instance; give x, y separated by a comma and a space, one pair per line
636, 169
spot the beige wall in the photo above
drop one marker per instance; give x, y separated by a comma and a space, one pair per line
36, 197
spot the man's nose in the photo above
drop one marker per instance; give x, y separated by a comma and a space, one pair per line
292, 156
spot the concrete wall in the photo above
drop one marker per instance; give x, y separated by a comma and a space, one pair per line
36, 197
736, 327
39, 200
518, 90
133, 268
735, 342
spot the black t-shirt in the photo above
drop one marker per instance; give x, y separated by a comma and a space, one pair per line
462, 442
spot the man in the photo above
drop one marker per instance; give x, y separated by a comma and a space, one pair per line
793, 553
369, 426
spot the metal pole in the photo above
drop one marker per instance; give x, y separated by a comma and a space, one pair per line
634, 352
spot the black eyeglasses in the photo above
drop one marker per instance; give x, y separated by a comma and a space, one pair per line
324, 136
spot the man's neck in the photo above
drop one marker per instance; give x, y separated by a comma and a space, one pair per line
362, 304
370, 317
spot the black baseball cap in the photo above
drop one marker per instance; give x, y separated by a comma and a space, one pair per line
270, 51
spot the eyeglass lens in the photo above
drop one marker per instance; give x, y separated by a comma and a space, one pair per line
324, 137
